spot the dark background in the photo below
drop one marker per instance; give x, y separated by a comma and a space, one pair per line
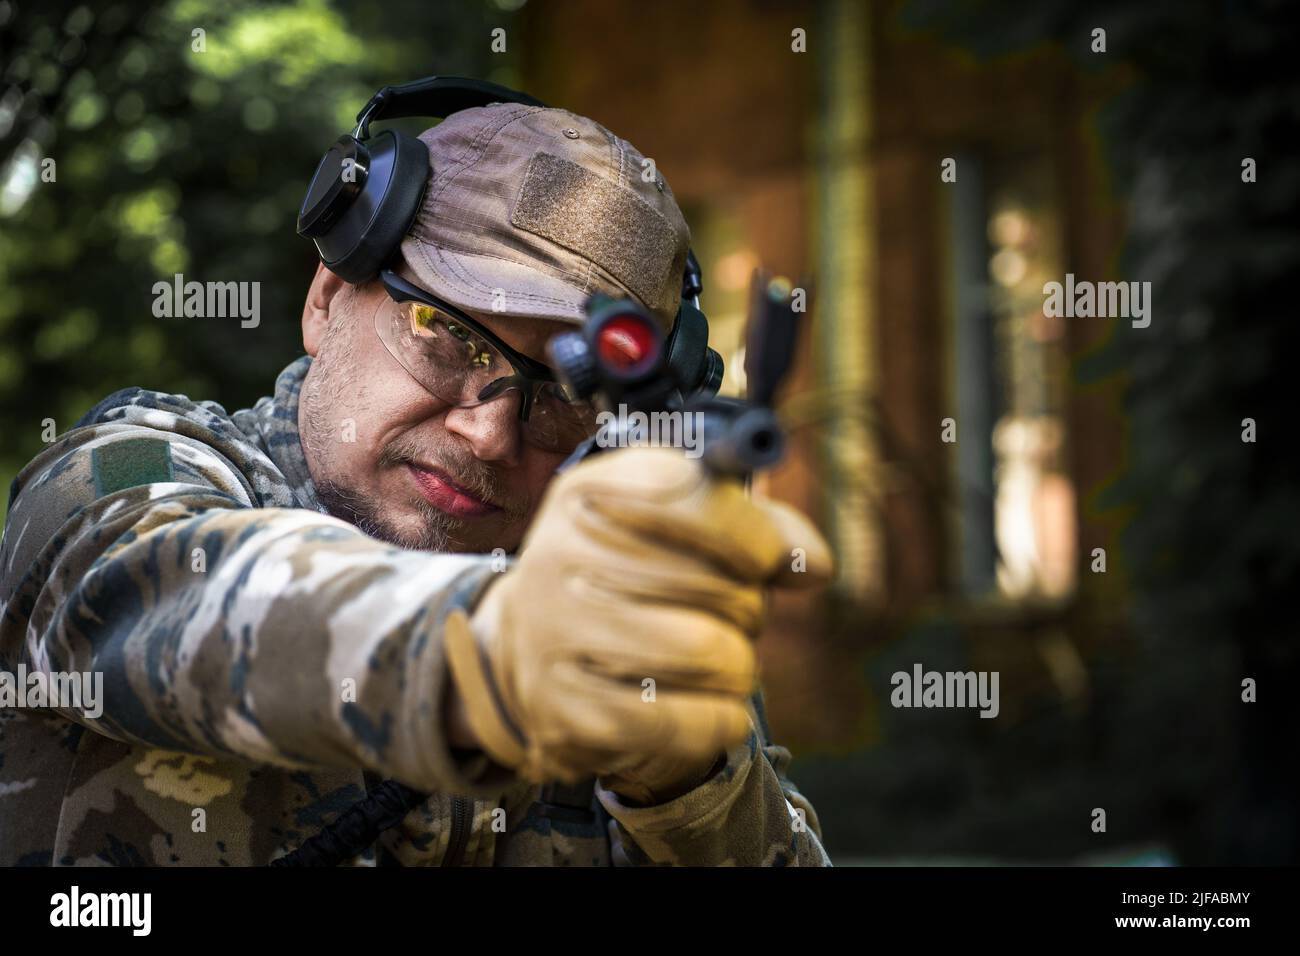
1120, 690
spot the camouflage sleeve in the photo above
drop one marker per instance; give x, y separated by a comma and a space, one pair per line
276, 635
747, 814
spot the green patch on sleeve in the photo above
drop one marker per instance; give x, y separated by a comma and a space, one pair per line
128, 463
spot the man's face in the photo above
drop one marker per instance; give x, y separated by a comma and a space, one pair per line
401, 464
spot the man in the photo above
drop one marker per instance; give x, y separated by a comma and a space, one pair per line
265, 664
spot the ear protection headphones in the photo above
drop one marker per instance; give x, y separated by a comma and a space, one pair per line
367, 189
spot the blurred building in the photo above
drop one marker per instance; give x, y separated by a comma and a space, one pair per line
940, 441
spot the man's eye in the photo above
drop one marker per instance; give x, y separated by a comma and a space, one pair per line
476, 353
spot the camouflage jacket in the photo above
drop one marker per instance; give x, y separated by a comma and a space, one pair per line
263, 664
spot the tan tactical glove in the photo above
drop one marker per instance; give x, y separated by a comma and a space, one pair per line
620, 643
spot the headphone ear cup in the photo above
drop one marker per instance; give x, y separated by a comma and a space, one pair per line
367, 234
695, 366
714, 369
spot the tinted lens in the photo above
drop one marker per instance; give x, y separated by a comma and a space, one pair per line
443, 354
460, 367
557, 420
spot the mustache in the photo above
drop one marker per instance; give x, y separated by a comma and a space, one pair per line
474, 475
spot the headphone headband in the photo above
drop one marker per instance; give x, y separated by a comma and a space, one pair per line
367, 190
438, 96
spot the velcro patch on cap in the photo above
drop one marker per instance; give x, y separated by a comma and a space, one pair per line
587, 214
130, 462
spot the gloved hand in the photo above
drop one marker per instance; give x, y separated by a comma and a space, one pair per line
639, 567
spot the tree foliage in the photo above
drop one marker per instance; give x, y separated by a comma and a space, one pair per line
171, 160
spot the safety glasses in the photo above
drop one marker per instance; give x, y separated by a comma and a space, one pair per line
462, 363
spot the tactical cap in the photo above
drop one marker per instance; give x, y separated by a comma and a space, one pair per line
529, 210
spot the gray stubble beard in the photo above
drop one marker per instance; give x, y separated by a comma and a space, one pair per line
330, 388
436, 527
